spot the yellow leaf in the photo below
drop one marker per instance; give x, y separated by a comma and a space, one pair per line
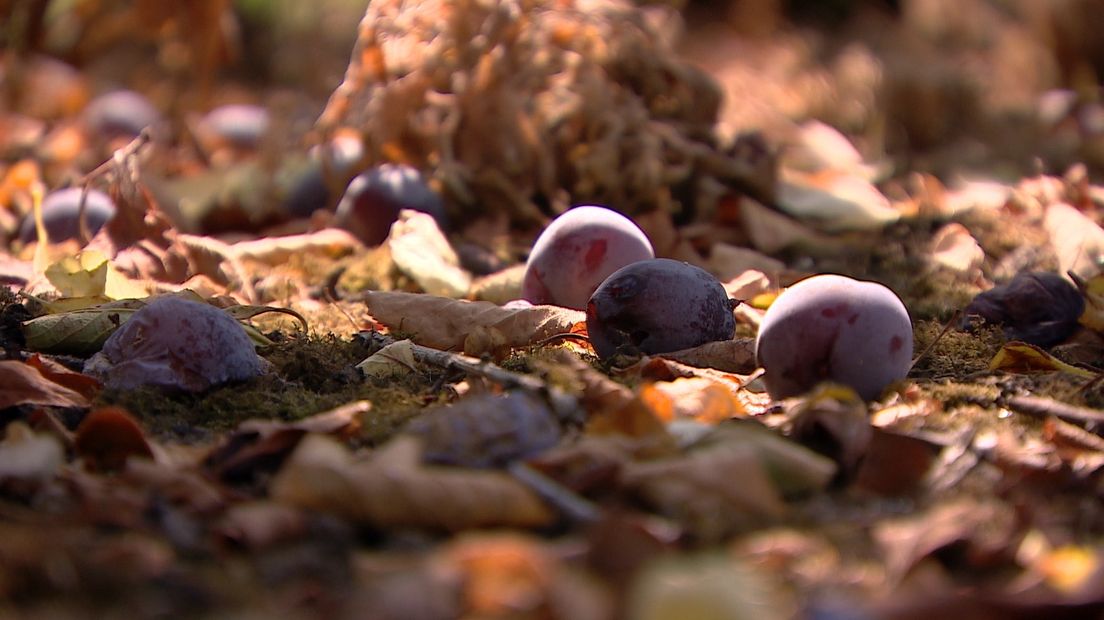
1068, 569
1022, 357
83, 275
1093, 290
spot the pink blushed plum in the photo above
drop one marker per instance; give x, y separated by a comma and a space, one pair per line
834, 328
579, 250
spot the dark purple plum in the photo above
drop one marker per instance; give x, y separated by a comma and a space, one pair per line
60, 214
240, 125
579, 250
834, 328
177, 344
120, 114
374, 198
658, 306
313, 188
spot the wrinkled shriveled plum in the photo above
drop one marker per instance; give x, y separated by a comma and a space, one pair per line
374, 198
579, 250
658, 306
834, 328
1038, 308
120, 114
178, 344
60, 214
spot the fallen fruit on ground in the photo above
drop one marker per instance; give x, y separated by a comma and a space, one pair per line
834, 328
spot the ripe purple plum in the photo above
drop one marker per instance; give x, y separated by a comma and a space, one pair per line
658, 305
374, 198
120, 114
60, 214
177, 344
579, 250
834, 328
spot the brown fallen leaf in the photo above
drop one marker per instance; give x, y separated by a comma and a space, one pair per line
1023, 357
107, 437
85, 385
25, 385
987, 530
261, 446
392, 488
486, 430
443, 323
699, 491
695, 398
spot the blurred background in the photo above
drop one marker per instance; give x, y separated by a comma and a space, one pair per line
997, 88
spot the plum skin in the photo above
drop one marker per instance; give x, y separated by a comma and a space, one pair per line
373, 199
834, 328
579, 250
658, 306
60, 209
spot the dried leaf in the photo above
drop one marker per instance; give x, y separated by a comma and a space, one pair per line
394, 359
1076, 238
422, 252
28, 456
391, 488
707, 586
80, 383
695, 398
486, 430
836, 202
443, 323
833, 421
953, 247
986, 530
107, 437
25, 385
1023, 357
736, 356
698, 490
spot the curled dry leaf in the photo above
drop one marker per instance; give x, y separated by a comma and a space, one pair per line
1023, 357
25, 384
695, 398
392, 488
394, 359
443, 323
1077, 240
836, 202
985, 529
955, 248
699, 491
833, 421
422, 252
260, 446
737, 355
29, 456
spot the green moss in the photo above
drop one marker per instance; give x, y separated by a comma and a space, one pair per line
311, 374
956, 353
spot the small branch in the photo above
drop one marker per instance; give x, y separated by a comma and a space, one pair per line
565, 406
571, 504
1042, 407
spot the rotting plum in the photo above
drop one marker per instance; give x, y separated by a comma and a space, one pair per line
658, 305
1039, 308
373, 199
579, 250
60, 214
178, 344
120, 114
834, 328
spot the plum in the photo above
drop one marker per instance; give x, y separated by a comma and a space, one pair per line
579, 250
658, 305
834, 328
239, 125
178, 344
120, 114
60, 211
373, 199
1038, 308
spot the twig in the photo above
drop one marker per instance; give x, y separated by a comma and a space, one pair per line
576, 507
565, 406
120, 155
1041, 407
